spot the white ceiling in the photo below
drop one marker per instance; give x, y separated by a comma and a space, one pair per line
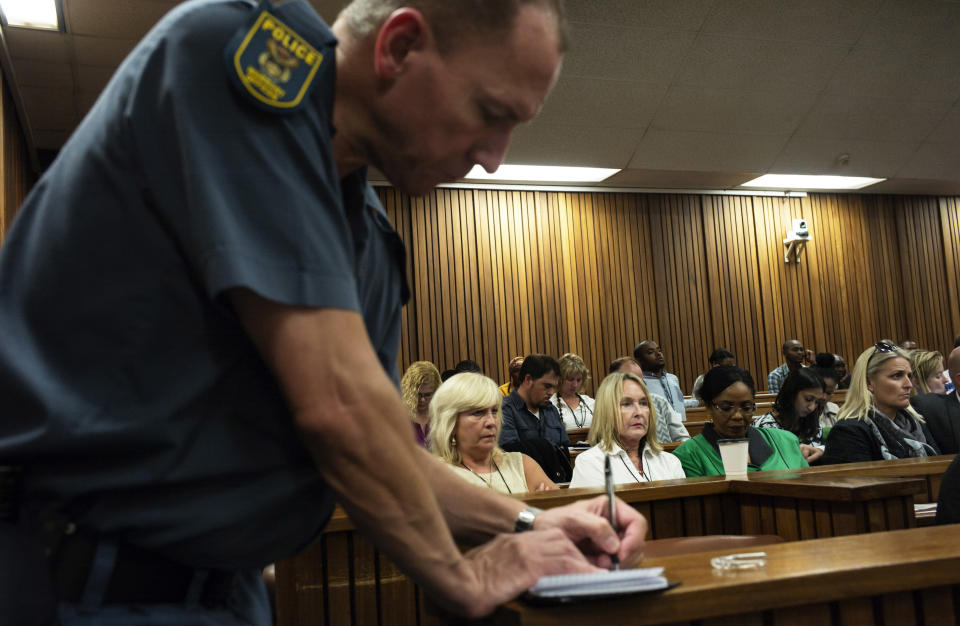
696, 94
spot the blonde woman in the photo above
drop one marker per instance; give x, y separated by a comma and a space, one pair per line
876, 421
575, 408
622, 419
928, 374
465, 420
417, 387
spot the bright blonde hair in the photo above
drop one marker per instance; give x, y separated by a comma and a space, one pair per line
605, 428
925, 364
859, 401
461, 394
418, 374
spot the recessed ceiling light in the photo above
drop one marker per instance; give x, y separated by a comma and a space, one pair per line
543, 173
31, 13
810, 182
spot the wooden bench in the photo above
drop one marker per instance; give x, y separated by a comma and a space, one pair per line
344, 579
900, 577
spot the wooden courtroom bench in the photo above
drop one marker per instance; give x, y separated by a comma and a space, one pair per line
344, 579
899, 577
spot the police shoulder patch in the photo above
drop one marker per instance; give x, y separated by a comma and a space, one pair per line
269, 62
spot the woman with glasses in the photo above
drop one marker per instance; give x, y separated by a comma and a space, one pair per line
876, 421
728, 393
465, 421
575, 408
417, 386
797, 409
623, 419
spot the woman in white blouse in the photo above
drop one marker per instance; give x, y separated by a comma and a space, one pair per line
623, 415
575, 408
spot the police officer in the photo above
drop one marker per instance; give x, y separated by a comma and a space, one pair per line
201, 304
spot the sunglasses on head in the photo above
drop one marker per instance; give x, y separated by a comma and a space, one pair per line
883, 346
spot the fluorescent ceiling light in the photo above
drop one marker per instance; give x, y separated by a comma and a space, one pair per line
543, 173
31, 13
803, 181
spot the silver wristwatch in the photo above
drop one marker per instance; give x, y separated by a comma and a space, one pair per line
525, 519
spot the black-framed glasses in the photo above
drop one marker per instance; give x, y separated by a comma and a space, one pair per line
747, 409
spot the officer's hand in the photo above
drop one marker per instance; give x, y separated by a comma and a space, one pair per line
586, 523
508, 565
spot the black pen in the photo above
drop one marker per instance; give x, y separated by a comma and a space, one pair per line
608, 481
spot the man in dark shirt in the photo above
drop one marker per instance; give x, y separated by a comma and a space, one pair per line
527, 412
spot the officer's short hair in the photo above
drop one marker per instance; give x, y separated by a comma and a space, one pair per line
451, 19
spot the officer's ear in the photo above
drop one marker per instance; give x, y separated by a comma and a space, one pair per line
404, 31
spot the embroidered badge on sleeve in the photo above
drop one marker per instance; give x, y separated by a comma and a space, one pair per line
273, 65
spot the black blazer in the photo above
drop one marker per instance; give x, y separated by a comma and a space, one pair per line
942, 414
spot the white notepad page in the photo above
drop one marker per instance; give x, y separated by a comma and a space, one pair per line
600, 583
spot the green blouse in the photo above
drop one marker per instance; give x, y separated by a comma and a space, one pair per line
700, 458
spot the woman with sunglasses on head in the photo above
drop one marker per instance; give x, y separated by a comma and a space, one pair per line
624, 426
728, 393
876, 421
797, 409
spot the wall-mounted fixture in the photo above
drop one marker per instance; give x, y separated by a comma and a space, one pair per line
796, 241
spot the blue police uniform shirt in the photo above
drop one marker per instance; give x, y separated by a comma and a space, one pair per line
132, 395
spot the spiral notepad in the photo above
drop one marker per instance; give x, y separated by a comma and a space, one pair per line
600, 583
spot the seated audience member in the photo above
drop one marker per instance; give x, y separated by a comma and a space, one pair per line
417, 387
465, 420
728, 394
927, 371
669, 423
793, 353
948, 503
797, 409
624, 416
446, 375
828, 416
650, 357
720, 356
942, 412
876, 421
909, 344
843, 375
527, 412
576, 409
513, 373
468, 365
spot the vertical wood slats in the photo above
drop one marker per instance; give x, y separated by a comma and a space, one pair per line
14, 161
502, 273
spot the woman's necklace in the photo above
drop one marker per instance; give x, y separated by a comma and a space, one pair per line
633, 469
583, 418
488, 482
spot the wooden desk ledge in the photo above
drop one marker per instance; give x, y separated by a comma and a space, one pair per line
798, 585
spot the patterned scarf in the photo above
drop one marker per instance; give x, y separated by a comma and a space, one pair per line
896, 443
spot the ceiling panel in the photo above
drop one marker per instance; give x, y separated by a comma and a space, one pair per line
550, 144
645, 54
666, 14
933, 160
101, 51
50, 108
707, 152
37, 45
880, 119
948, 130
812, 155
754, 64
119, 19
578, 100
903, 24
31, 73
733, 110
891, 72
820, 21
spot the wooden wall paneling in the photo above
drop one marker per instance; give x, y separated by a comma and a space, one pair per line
950, 232
886, 253
507, 262
494, 354
552, 334
716, 291
456, 315
593, 207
